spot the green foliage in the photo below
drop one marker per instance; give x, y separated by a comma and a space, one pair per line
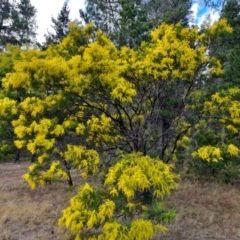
226, 46
5, 150
217, 154
232, 49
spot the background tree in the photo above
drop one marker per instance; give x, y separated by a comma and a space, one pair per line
215, 5
171, 11
24, 23
220, 101
228, 48
5, 15
18, 25
129, 22
215, 138
59, 25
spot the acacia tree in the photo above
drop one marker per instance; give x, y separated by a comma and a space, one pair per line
228, 47
108, 112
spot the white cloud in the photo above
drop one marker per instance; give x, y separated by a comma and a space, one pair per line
194, 9
214, 16
50, 8
75, 5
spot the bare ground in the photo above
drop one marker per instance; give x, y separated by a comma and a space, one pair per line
205, 210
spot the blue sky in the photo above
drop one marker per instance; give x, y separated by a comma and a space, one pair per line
200, 12
48, 8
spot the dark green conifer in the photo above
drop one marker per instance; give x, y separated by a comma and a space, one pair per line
24, 23
17, 23
60, 27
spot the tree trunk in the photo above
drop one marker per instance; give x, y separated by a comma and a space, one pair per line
67, 168
17, 158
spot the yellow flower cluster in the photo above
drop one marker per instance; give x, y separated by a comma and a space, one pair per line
8, 107
137, 172
86, 160
220, 26
169, 56
100, 130
80, 213
208, 153
55, 171
32, 106
232, 150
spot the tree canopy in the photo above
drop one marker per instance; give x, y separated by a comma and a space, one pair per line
113, 114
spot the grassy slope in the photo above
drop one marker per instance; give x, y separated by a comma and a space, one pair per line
205, 211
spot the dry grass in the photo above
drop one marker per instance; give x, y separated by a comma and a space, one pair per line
27, 214
205, 211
